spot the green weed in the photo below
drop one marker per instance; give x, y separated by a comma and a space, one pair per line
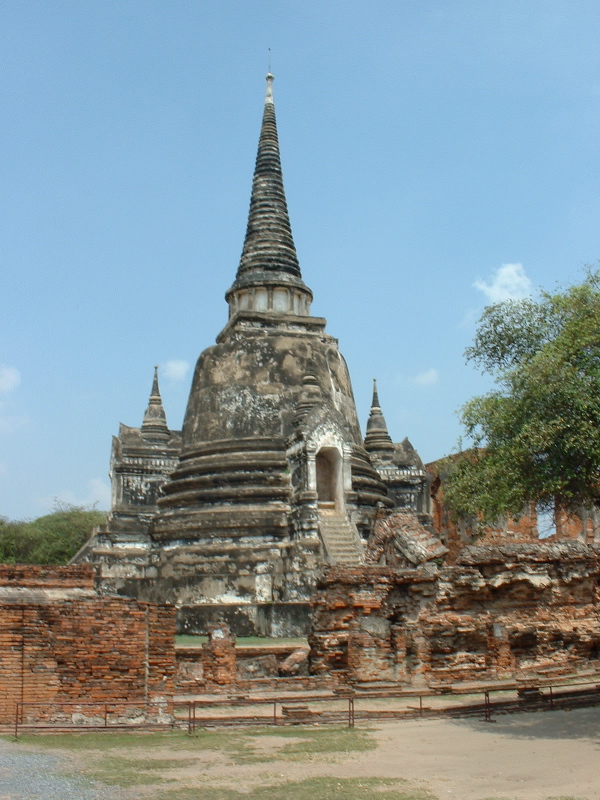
106, 741
119, 771
309, 789
323, 740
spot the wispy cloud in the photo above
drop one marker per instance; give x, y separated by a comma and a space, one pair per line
175, 370
98, 494
10, 378
427, 378
510, 282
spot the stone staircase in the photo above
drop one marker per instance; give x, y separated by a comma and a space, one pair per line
340, 539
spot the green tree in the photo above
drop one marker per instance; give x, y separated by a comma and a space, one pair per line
51, 539
537, 436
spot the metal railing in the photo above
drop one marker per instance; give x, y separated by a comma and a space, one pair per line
345, 707
100, 716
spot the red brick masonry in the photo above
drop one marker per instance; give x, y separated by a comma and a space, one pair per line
62, 642
499, 611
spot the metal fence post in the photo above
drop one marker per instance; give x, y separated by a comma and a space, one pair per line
487, 715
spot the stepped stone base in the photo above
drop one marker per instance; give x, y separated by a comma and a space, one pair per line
259, 586
276, 620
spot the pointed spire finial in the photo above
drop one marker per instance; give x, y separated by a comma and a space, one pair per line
375, 402
155, 391
269, 256
154, 427
378, 442
269, 95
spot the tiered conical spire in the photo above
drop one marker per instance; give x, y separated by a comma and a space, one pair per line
154, 426
378, 441
269, 254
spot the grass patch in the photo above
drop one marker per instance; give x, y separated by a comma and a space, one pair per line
114, 759
240, 747
321, 740
311, 788
189, 639
232, 742
105, 741
244, 748
236, 743
119, 771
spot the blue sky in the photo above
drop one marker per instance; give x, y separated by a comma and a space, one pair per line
437, 156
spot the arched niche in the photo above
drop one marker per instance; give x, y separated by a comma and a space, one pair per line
330, 489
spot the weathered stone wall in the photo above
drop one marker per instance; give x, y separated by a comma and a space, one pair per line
60, 642
258, 586
499, 611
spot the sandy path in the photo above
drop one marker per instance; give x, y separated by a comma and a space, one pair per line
536, 756
519, 757
522, 756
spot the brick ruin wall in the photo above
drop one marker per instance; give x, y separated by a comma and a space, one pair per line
456, 534
62, 643
499, 611
221, 665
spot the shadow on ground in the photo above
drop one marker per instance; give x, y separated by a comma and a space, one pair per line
581, 723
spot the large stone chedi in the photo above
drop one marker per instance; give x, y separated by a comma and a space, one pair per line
271, 423
273, 478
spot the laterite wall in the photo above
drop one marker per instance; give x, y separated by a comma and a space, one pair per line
62, 642
500, 611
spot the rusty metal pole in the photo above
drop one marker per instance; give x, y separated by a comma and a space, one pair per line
274, 712
189, 717
487, 715
105, 715
16, 720
350, 712
420, 705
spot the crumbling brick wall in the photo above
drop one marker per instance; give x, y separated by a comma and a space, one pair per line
33, 576
458, 533
60, 642
218, 656
500, 610
274, 662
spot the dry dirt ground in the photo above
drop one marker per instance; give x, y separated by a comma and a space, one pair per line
536, 756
